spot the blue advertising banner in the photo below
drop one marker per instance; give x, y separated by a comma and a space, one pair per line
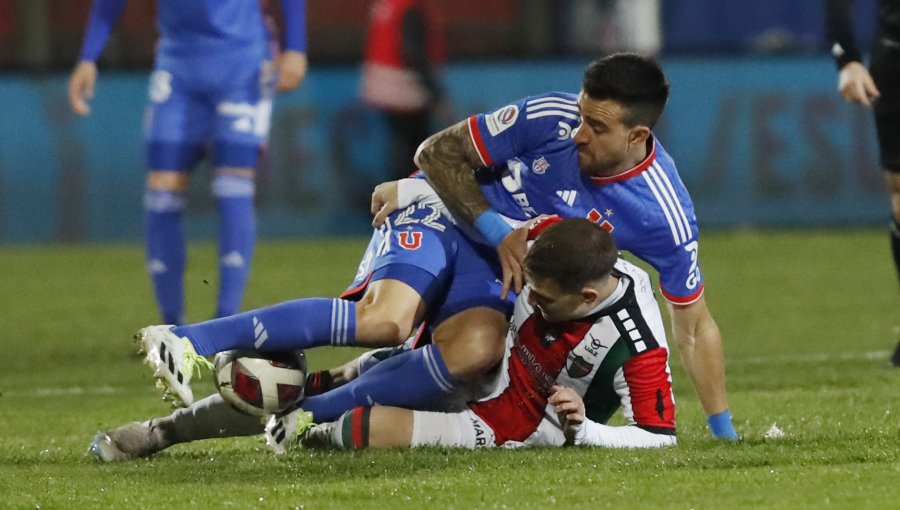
758, 141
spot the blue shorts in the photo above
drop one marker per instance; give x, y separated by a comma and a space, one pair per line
222, 103
422, 249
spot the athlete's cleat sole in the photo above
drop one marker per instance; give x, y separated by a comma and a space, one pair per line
284, 432
173, 361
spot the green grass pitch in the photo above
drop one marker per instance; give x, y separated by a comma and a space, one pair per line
808, 319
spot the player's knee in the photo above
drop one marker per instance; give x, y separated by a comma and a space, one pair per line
379, 324
167, 181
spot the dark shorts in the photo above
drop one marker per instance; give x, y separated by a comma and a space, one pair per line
885, 70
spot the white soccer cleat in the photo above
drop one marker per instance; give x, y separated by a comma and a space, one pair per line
286, 431
127, 442
173, 360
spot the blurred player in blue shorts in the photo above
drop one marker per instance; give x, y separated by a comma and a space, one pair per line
591, 155
211, 90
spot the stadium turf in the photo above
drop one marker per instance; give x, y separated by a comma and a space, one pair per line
808, 319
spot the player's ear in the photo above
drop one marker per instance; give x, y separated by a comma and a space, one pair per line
589, 294
639, 134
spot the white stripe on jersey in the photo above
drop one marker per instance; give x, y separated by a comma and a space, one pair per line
552, 98
665, 177
553, 105
667, 203
543, 106
548, 113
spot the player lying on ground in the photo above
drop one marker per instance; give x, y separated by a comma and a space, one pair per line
611, 349
586, 338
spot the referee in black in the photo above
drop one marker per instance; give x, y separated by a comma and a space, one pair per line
878, 90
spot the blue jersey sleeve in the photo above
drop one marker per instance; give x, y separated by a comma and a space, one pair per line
523, 127
680, 277
104, 14
294, 12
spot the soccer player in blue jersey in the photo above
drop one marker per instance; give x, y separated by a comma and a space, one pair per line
591, 155
211, 89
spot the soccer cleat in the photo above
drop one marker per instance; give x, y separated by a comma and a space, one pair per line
173, 360
130, 441
318, 436
283, 432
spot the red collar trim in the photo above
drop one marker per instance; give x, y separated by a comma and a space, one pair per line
628, 174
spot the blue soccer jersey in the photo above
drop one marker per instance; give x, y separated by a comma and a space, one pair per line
531, 168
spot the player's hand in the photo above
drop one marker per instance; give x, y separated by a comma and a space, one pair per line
570, 408
512, 252
856, 84
291, 70
81, 87
384, 202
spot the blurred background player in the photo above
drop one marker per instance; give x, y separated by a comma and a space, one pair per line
591, 155
211, 90
879, 90
404, 52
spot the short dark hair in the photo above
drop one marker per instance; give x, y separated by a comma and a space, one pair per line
572, 253
635, 81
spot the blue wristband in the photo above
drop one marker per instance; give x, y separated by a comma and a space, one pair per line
721, 427
492, 227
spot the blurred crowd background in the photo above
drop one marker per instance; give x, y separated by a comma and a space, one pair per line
39, 35
754, 121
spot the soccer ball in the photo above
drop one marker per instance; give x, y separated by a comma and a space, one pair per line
260, 384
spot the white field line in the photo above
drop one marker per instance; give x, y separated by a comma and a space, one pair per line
755, 360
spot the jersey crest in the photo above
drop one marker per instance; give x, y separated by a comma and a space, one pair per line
410, 240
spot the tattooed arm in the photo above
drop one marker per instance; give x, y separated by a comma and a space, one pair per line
448, 159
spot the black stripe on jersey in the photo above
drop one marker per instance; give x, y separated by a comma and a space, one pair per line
601, 400
644, 340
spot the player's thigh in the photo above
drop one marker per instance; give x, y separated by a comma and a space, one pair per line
404, 273
454, 430
472, 341
243, 106
177, 123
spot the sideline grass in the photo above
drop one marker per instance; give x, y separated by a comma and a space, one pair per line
808, 319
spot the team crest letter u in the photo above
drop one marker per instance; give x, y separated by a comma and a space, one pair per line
410, 240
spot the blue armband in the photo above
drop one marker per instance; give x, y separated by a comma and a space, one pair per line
492, 227
721, 427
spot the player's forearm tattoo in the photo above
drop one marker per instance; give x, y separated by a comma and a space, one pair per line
448, 159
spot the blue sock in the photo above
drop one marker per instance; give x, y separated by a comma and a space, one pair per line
412, 380
297, 324
237, 237
721, 427
164, 240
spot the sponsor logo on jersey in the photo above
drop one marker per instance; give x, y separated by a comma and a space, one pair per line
502, 119
567, 196
540, 165
578, 367
565, 131
410, 240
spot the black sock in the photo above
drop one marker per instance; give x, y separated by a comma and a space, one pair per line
895, 245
